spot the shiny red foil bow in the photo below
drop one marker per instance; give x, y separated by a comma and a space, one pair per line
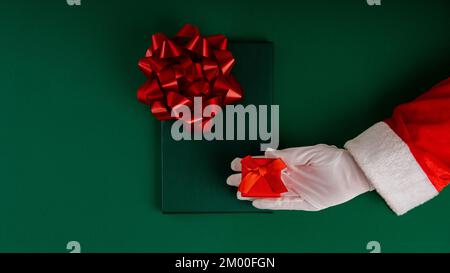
187, 66
261, 177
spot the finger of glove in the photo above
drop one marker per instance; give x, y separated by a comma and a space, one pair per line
283, 203
302, 155
234, 179
240, 197
236, 164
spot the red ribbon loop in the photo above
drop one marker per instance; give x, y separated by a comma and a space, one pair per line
187, 66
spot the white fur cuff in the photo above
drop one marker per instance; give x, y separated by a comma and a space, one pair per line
391, 168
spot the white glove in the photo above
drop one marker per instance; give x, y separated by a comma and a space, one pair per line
317, 177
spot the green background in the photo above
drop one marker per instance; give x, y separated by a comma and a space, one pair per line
79, 156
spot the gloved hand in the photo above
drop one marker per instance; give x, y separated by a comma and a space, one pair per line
317, 177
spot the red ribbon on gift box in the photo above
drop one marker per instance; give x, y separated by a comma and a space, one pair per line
186, 66
261, 177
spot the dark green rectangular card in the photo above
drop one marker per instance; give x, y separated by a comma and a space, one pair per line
194, 173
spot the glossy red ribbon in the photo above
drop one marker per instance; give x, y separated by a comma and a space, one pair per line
261, 177
187, 66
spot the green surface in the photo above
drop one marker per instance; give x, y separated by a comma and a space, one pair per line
80, 156
194, 172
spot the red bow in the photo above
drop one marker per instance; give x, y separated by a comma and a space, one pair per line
184, 67
261, 177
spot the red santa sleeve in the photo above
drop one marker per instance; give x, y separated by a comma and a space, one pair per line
407, 157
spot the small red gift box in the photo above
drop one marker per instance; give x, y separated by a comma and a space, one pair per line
261, 177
